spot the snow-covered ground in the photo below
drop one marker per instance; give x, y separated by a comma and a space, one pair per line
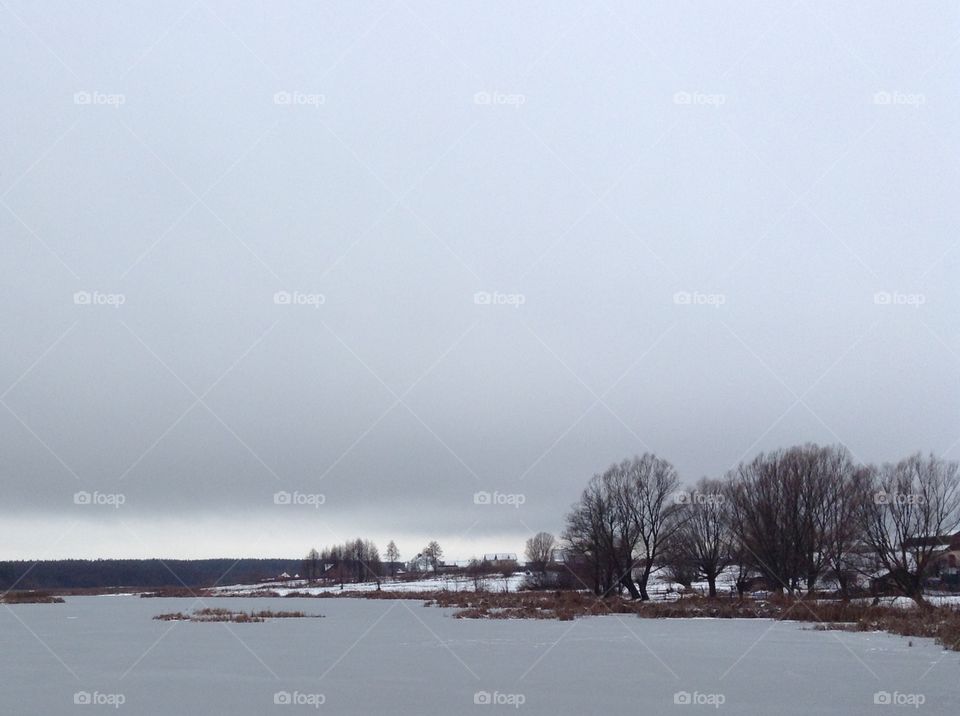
659, 589
428, 584
398, 657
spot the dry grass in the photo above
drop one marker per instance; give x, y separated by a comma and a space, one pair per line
939, 623
175, 592
227, 615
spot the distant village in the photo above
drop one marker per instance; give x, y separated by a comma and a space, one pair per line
801, 520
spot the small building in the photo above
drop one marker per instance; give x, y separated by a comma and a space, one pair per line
500, 560
946, 565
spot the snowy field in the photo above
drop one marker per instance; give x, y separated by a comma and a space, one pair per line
658, 589
399, 657
428, 584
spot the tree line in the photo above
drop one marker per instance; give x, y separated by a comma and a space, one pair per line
359, 560
791, 517
138, 573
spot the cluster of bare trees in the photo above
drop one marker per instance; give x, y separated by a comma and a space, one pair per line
393, 556
539, 554
791, 517
623, 520
433, 554
795, 514
353, 561
359, 561
915, 500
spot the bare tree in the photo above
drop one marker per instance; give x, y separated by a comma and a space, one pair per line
539, 553
311, 565
915, 503
675, 563
584, 534
476, 570
653, 482
433, 553
702, 542
372, 562
623, 499
594, 532
393, 556
847, 492
773, 520
623, 519
337, 554
740, 556
357, 557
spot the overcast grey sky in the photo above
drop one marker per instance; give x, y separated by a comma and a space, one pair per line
519, 241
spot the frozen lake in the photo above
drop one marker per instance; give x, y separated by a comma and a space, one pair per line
399, 657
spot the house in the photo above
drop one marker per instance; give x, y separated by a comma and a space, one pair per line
420, 564
946, 565
500, 560
943, 571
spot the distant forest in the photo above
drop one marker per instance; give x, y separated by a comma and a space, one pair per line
101, 573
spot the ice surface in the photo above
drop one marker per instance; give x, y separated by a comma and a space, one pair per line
399, 657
